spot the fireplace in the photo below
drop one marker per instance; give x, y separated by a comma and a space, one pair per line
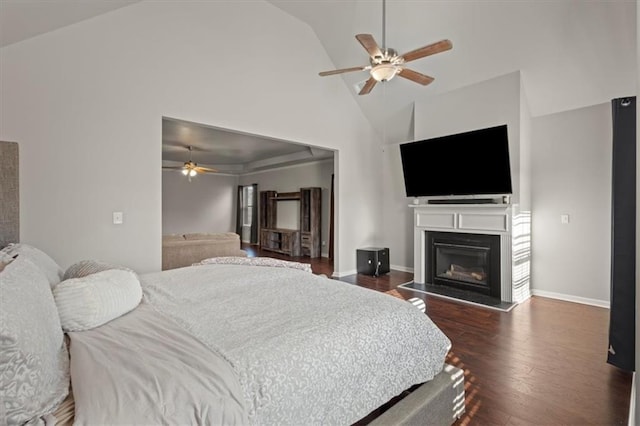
506, 222
463, 260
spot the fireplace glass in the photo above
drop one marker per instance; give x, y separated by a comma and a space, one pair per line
462, 263
465, 261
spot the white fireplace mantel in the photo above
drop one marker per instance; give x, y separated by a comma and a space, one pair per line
506, 220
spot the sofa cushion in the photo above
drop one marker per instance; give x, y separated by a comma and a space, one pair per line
172, 237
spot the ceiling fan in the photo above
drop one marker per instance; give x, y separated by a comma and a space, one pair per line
385, 63
190, 169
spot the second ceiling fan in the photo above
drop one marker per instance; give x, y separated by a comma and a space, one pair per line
190, 169
385, 63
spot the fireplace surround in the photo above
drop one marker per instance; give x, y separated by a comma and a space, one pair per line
504, 224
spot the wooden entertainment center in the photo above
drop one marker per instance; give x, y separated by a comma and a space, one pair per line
306, 240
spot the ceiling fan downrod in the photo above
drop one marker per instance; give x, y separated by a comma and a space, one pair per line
384, 37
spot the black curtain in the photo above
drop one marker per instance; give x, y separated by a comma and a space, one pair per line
622, 319
239, 212
254, 214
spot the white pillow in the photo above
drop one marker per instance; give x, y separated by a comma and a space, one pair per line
4, 257
88, 302
88, 267
42, 260
34, 361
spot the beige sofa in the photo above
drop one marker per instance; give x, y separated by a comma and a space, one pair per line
185, 250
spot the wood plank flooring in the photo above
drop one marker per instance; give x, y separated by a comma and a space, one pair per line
543, 363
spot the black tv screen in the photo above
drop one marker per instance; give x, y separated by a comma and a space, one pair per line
470, 163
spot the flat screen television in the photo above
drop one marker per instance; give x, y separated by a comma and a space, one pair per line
464, 164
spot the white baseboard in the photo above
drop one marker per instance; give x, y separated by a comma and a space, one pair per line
340, 274
401, 268
571, 298
353, 272
632, 406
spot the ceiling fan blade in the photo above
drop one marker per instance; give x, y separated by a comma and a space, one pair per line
204, 170
432, 49
368, 86
415, 76
340, 71
172, 167
369, 43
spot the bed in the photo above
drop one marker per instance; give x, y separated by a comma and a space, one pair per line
218, 343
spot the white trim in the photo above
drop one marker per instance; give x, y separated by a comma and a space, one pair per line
570, 298
632, 405
218, 173
338, 274
293, 166
401, 268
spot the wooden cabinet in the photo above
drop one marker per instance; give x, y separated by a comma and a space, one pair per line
310, 221
285, 241
268, 209
306, 240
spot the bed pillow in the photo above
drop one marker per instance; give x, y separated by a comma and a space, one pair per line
34, 361
90, 301
5, 259
255, 261
47, 265
88, 267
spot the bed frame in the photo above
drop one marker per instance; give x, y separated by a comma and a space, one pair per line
437, 402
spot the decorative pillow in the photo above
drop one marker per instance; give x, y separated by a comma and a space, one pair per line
47, 265
88, 267
256, 261
34, 362
88, 302
5, 259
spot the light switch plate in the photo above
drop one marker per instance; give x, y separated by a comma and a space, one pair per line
564, 219
118, 218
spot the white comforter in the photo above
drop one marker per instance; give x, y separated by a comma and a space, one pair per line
305, 349
143, 369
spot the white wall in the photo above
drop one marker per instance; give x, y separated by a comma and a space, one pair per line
206, 204
571, 156
86, 103
291, 179
486, 104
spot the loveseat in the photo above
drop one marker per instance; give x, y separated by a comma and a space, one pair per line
184, 250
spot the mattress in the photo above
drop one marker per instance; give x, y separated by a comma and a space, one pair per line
306, 349
221, 344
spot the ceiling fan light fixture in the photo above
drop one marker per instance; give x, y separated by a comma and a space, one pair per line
185, 171
192, 173
384, 72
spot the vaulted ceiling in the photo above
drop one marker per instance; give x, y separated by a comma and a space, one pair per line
570, 53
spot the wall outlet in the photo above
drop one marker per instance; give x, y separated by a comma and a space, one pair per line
564, 219
118, 218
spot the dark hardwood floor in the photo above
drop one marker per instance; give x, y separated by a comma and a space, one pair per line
542, 363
